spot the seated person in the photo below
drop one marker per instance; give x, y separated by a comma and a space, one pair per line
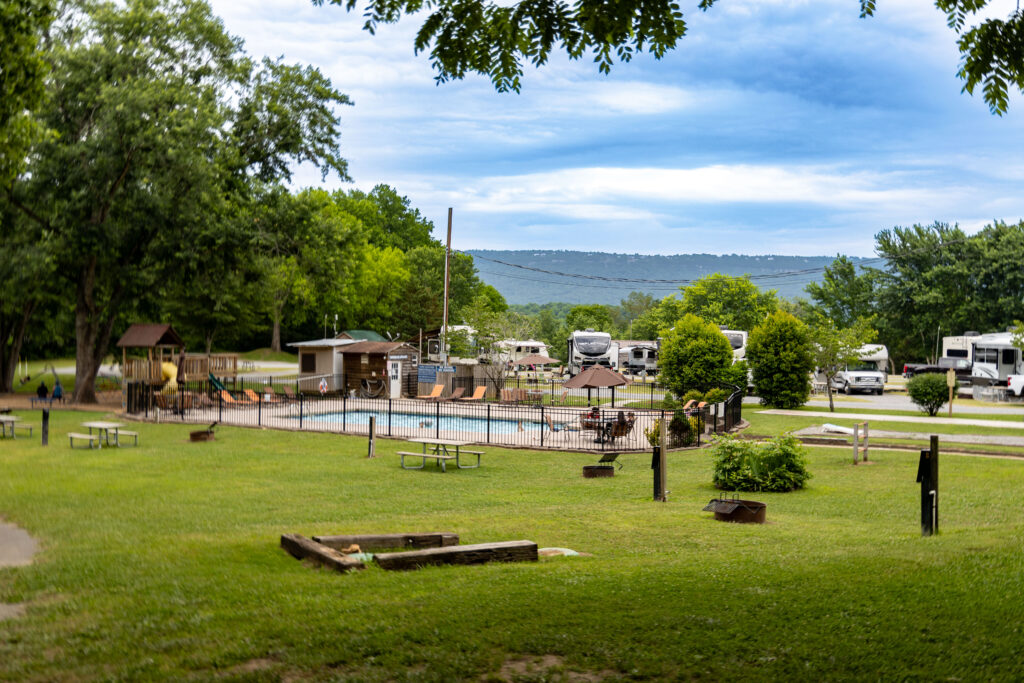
41, 390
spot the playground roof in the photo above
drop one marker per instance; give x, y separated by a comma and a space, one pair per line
361, 335
150, 336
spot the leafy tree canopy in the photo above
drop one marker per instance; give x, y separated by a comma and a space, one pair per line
694, 355
781, 360
733, 302
592, 316
495, 39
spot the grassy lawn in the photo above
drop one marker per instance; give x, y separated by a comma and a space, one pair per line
162, 562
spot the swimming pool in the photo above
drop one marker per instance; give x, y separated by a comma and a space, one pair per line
418, 421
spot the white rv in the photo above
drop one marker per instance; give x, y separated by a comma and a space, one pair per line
994, 358
869, 373
738, 342
514, 349
587, 348
639, 358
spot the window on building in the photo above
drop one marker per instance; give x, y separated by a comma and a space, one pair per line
307, 362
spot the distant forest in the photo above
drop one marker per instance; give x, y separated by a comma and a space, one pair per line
786, 274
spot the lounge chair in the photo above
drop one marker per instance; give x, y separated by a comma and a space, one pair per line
251, 395
456, 394
478, 394
230, 400
289, 393
434, 395
560, 401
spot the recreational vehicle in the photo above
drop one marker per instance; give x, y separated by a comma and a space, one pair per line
994, 358
738, 342
869, 373
514, 349
587, 348
639, 358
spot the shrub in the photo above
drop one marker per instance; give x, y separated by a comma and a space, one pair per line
716, 395
683, 430
780, 353
775, 465
928, 391
738, 374
692, 395
693, 355
669, 402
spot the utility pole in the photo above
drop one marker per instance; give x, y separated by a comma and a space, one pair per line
447, 277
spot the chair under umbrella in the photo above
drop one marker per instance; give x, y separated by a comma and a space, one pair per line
596, 377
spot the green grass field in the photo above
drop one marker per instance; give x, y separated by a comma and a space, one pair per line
163, 562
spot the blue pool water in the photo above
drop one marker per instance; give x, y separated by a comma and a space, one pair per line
452, 423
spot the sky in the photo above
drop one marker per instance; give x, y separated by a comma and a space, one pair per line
774, 127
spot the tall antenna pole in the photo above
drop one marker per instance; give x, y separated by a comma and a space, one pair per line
447, 277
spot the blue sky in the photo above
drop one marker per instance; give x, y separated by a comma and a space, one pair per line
775, 126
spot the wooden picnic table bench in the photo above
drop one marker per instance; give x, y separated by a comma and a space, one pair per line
440, 458
91, 438
124, 432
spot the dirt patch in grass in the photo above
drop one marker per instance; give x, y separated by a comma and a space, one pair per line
11, 611
547, 668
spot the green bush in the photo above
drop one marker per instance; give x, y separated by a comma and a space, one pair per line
737, 374
693, 355
683, 430
775, 465
780, 354
929, 391
716, 395
669, 402
692, 395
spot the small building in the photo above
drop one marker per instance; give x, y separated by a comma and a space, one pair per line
379, 369
319, 359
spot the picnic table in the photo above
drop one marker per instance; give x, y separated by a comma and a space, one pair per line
103, 430
5, 421
440, 451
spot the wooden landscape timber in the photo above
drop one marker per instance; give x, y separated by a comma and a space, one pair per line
389, 541
479, 553
301, 548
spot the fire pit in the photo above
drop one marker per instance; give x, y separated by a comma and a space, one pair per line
736, 510
202, 435
592, 471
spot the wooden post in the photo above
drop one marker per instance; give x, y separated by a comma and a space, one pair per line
951, 382
373, 429
856, 441
662, 460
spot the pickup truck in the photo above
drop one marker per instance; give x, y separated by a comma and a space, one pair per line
1015, 384
962, 366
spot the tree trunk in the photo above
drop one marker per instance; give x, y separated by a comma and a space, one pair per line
9, 354
275, 337
209, 343
92, 334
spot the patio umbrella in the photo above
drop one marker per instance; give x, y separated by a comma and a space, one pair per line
536, 359
597, 376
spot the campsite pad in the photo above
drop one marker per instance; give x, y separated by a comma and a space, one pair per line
16, 550
990, 439
16, 546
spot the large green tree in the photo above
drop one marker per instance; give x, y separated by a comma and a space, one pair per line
159, 117
496, 38
22, 69
389, 218
843, 295
694, 355
781, 359
736, 303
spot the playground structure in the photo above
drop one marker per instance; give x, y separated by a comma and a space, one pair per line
166, 366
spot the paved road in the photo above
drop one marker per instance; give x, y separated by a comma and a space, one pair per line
922, 419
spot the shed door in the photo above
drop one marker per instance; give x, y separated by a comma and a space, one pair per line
395, 378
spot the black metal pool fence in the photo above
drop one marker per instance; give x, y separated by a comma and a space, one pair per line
526, 418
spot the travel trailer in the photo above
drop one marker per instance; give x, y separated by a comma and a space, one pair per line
514, 349
639, 358
994, 358
587, 348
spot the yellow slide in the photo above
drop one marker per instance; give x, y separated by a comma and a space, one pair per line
169, 373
